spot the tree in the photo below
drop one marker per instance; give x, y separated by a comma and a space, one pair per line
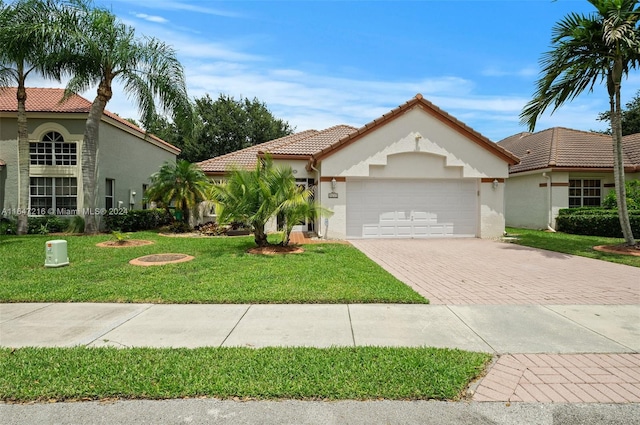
182, 184
590, 49
104, 50
255, 196
30, 34
226, 125
630, 117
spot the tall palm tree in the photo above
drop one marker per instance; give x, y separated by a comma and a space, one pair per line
590, 49
182, 184
30, 34
104, 50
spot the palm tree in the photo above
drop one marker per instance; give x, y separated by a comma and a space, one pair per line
182, 184
30, 33
256, 196
590, 49
104, 50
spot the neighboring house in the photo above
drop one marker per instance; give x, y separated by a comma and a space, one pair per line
562, 168
127, 156
415, 172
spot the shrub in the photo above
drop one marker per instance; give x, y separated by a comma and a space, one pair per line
595, 222
8, 226
136, 220
46, 224
76, 225
633, 196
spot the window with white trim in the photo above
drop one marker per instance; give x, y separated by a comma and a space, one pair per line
53, 150
109, 191
585, 193
53, 195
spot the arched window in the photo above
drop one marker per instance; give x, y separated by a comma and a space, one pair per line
53, 150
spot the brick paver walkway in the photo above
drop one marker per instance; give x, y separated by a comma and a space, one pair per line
476, 271
562, 378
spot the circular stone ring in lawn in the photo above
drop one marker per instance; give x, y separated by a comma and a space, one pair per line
160, 259
124, 244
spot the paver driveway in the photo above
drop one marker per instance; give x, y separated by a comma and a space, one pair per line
476, 271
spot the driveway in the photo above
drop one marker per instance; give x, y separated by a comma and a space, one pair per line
477, 271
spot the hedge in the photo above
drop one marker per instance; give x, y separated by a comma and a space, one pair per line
595, 222
135, 220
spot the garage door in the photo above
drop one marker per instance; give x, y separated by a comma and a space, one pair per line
378, 208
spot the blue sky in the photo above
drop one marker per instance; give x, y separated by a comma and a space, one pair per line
322, 63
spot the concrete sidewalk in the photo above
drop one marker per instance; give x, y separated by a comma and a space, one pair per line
579, 353
495, 329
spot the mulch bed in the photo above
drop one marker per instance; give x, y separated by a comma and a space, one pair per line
619, 249
276, 249
125, 243
160, 259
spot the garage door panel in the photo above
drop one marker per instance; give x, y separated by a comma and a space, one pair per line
411, 208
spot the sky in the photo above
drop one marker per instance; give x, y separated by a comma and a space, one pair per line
317, 64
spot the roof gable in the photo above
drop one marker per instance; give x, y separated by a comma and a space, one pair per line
49, 100
565, 148
420, 102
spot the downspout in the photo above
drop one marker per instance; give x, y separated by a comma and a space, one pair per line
549, 198
319, 223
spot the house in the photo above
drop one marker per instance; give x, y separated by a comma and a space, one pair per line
415, 172
127, 155
562, 168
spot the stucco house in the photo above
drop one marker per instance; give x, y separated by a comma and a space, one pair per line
127, 156
415, 172
561, 168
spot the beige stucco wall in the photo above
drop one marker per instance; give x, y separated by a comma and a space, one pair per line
122, 156
527, 204
416, 145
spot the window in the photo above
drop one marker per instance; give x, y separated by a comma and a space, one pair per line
109, 191
53, 150
53, 195
145, 205
585, 193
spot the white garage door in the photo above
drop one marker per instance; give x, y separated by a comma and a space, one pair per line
378, 208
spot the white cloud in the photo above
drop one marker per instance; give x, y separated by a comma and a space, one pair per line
151, 18
180, 6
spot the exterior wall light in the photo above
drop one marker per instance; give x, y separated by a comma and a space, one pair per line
333, 184
495, 184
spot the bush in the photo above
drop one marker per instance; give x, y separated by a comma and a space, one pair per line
46, 224
136, 220
633, 196
76, 225
8, 226
595, 222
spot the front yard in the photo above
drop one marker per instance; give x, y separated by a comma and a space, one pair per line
222, 272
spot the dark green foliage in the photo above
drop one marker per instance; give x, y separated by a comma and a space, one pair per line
630, 117
595, 222
632, 188
8, 226
47, 224
76, 225
227, 125
135, 220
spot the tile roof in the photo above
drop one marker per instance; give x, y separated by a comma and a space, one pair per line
315, 145
303, 144
560, 147
48, 100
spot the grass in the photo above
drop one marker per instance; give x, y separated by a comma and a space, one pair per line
572, 244
222, 272
47, 374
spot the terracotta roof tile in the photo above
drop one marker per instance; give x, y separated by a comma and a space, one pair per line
561, 147
48, 100
247, 158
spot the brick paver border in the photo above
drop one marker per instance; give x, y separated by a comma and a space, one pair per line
562, 378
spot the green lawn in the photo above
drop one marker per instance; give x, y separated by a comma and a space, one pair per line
222, 272
45, 374
571, 244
